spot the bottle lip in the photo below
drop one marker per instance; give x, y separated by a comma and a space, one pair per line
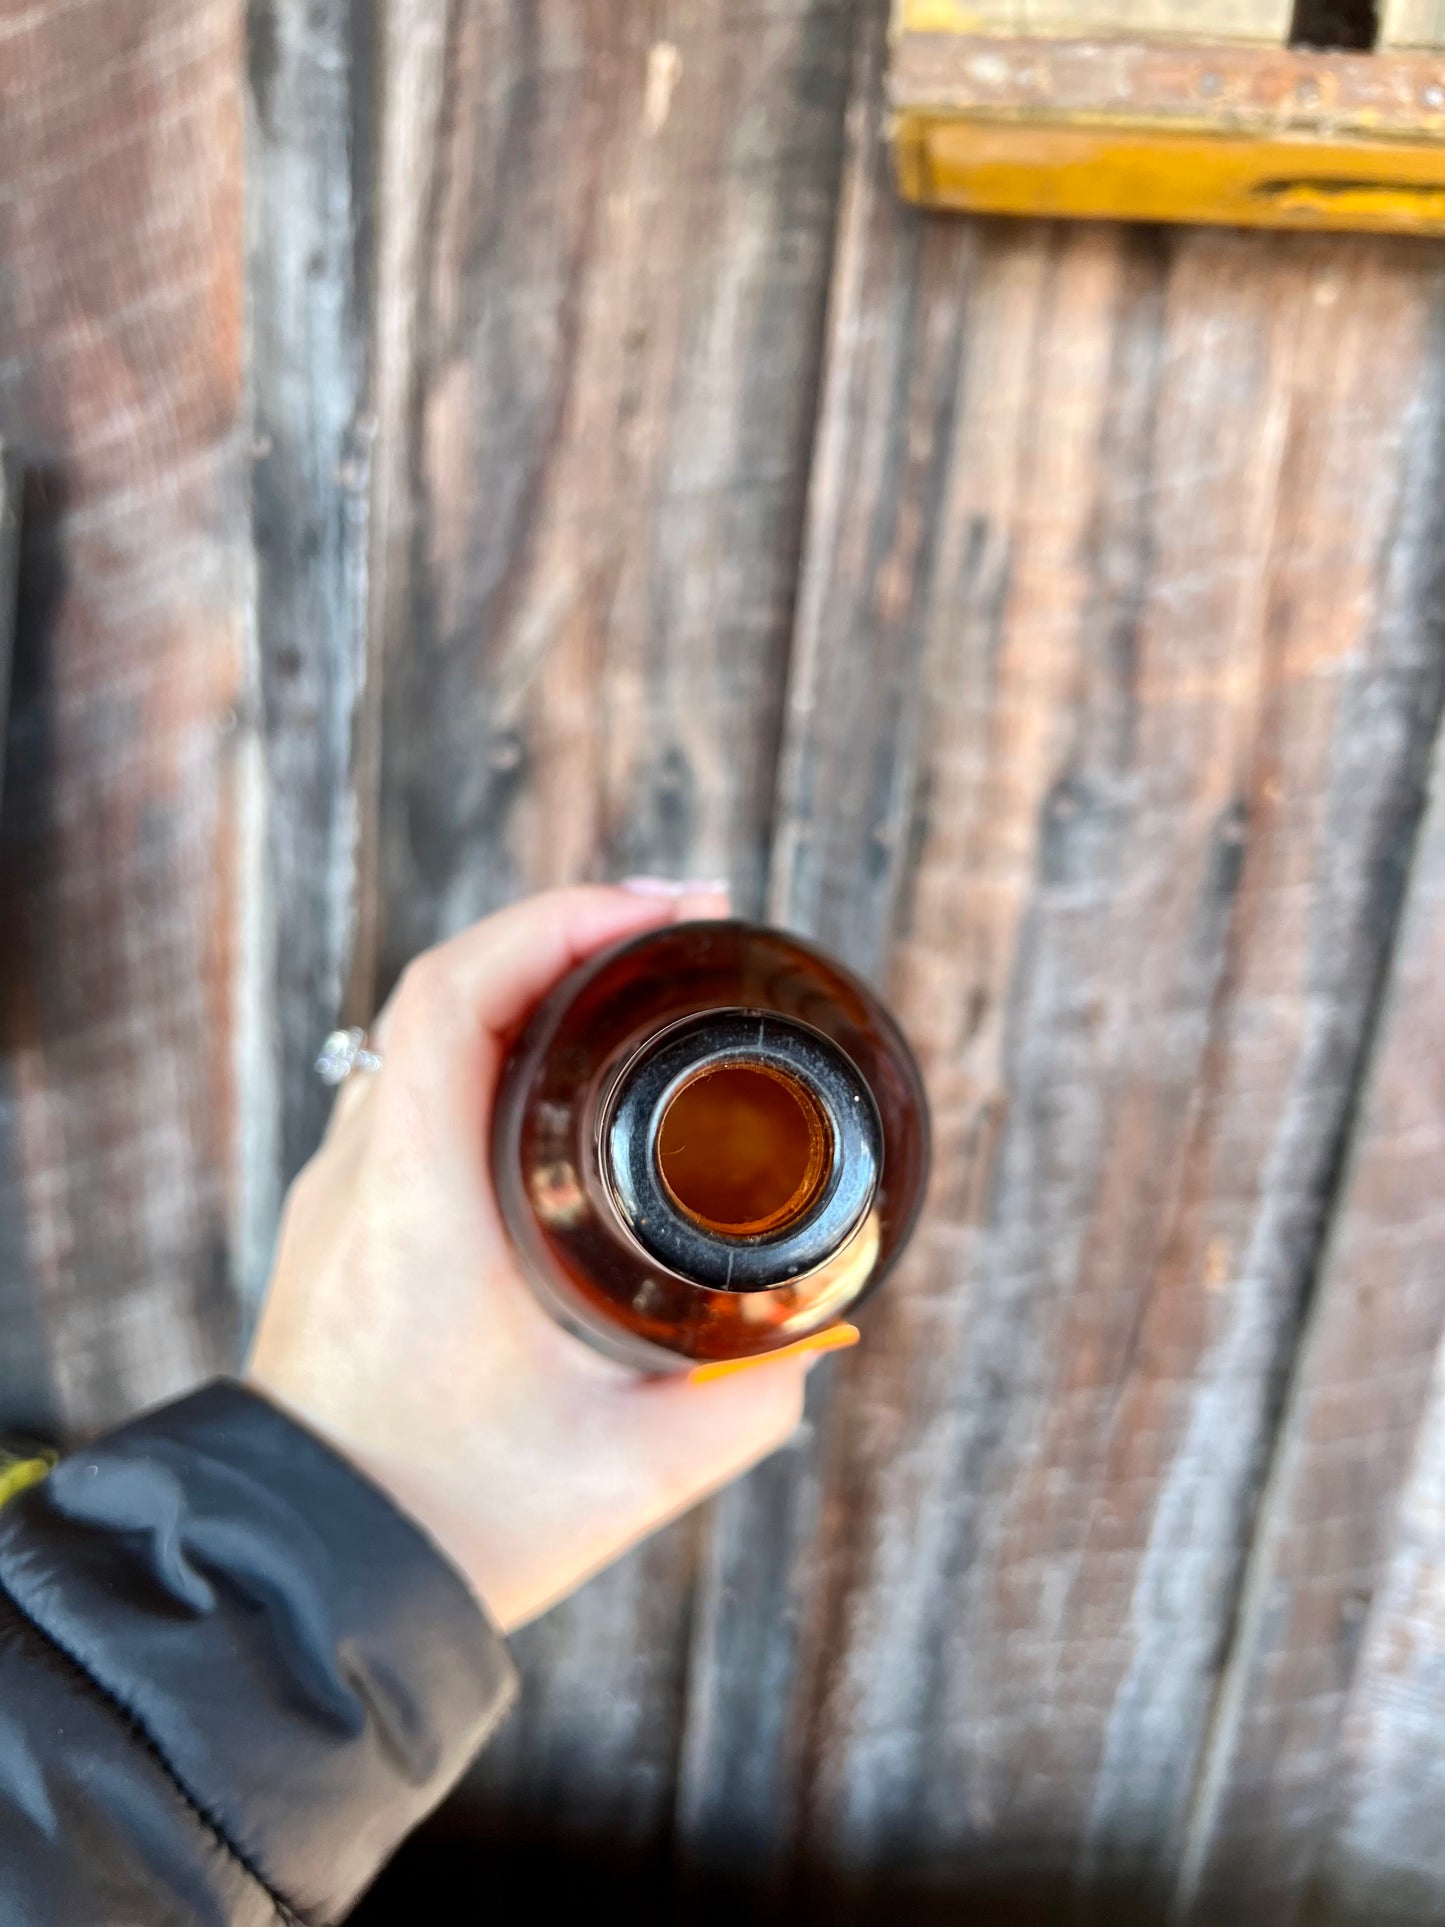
631, 1120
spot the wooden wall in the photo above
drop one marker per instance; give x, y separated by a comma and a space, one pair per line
1053, 620
122, 840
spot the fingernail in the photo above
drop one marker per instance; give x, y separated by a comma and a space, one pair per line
837, 1338
675, 886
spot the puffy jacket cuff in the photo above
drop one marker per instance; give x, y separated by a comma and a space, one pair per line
312, 1670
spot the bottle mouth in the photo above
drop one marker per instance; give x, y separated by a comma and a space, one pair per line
740, 1149
744, 1148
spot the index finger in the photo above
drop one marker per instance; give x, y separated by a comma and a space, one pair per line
483, 982
461, 1000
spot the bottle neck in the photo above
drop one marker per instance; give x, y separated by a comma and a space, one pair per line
742, 1150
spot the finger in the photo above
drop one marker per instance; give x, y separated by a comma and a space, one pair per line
583, 919
697, 1437
458, 1007
743, 1415
381, 1024
491, 976
701, 901
497, 970
688, 1441
836, 1338
353, 1096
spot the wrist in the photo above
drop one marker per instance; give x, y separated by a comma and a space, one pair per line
412, 1486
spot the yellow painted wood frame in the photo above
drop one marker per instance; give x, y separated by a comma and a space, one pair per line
1169, 130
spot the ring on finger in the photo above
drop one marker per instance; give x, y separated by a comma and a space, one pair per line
343, 1052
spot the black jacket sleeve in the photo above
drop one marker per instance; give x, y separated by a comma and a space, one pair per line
232, 1677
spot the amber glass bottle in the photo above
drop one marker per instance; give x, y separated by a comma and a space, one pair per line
710, 1142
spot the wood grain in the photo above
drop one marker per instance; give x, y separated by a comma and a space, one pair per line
120, 377
1360, 1405
25, 1392
1113, 683
603, 243
1384, 1862
1102, 741
11, 481
1412, 23
311, 246
1239, 92
602, 298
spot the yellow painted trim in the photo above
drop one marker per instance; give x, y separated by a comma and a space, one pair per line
941, 16
1141, 173
1062, 18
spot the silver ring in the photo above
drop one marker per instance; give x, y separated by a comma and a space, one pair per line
343, 1052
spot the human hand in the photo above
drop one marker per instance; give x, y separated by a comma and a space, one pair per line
398, 1327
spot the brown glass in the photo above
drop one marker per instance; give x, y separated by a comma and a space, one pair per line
710, 1142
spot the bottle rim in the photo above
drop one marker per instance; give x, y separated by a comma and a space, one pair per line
789, 1244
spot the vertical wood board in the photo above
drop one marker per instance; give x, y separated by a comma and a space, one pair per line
1360, 1399
599, 339
11, 484
1110, 710
1385, 1862
310, 250
603, 245
120, 378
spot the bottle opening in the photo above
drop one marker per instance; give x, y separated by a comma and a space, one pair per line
740, 1149
743, 1149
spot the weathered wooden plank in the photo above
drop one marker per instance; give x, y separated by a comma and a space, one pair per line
311, 190
604, 238
25, 1397
1361, 1392
1102, 738
11, 481
1235, 92
1170, 130
609, 304
1385, 1862
120, 377
1412, 23
1264, 20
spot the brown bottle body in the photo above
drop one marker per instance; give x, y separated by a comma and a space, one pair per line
709, 1143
